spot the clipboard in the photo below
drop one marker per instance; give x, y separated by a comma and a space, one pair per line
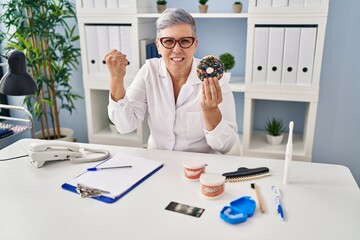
112, 184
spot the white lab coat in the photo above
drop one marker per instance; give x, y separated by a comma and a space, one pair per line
179, 126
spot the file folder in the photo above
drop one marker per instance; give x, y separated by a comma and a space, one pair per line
126, 45
103, 46
296, 3
116, 183
87, 4
312, 3
91, 49
124, 3
99, 3
291, 55
276, 46
114, 37
263, 3
280, 3
112, 3
306, 55
261, 42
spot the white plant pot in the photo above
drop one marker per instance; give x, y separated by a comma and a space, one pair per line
274, 140
67, 135
227, 76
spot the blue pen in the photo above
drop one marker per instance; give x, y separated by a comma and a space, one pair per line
278, 204
106, 168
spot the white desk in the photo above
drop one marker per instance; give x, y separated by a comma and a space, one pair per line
322, 202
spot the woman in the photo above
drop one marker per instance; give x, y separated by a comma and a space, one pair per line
183, 113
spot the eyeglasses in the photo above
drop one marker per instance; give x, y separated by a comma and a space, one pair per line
169, 42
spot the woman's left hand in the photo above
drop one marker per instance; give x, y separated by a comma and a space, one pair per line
211, 98
211, 93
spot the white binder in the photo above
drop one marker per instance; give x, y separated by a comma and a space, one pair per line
263, 3
112, 3
291, 55
280, 3
126, 43
114, 37
100, 3
296, 3
91, 49
312, 3
103, 46
124, 3
306, 55
276, 46
87, 3
261, 41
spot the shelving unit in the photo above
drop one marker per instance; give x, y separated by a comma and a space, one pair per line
313, 16
141, 16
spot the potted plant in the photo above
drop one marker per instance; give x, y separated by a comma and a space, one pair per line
203, 7
237, 7
41, 29
274, 128
228, 60
161, 5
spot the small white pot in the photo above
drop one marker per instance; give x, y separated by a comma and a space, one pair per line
274, 140
227, 76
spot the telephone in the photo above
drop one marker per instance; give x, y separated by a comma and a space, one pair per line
41, 151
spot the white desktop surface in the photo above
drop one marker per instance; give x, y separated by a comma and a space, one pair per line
321, 202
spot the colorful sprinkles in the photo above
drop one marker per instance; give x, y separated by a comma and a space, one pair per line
210, 66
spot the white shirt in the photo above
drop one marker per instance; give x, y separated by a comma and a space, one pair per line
174, 126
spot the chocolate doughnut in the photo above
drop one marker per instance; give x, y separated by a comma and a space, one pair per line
210, 66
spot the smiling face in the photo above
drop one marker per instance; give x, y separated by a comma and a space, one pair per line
178, 60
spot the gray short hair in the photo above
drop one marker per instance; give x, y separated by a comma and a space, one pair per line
172, 16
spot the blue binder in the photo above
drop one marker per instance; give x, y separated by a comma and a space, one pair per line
122, 181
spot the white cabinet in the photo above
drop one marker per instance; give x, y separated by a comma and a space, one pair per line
283, 62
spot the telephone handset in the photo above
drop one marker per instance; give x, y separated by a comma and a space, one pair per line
41, 151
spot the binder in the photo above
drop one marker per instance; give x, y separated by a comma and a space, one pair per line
103, 46
112, 3
124, 3
100, 3
261, 41
291, 55
306, 55
126, 42
276, 46
312, 3
87, 3
115, 183
263, 3
280, 3
92, 49
296, 3
114, 37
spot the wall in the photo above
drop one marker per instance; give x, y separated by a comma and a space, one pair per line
337, 135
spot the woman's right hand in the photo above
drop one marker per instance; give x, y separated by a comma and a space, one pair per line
116, 63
